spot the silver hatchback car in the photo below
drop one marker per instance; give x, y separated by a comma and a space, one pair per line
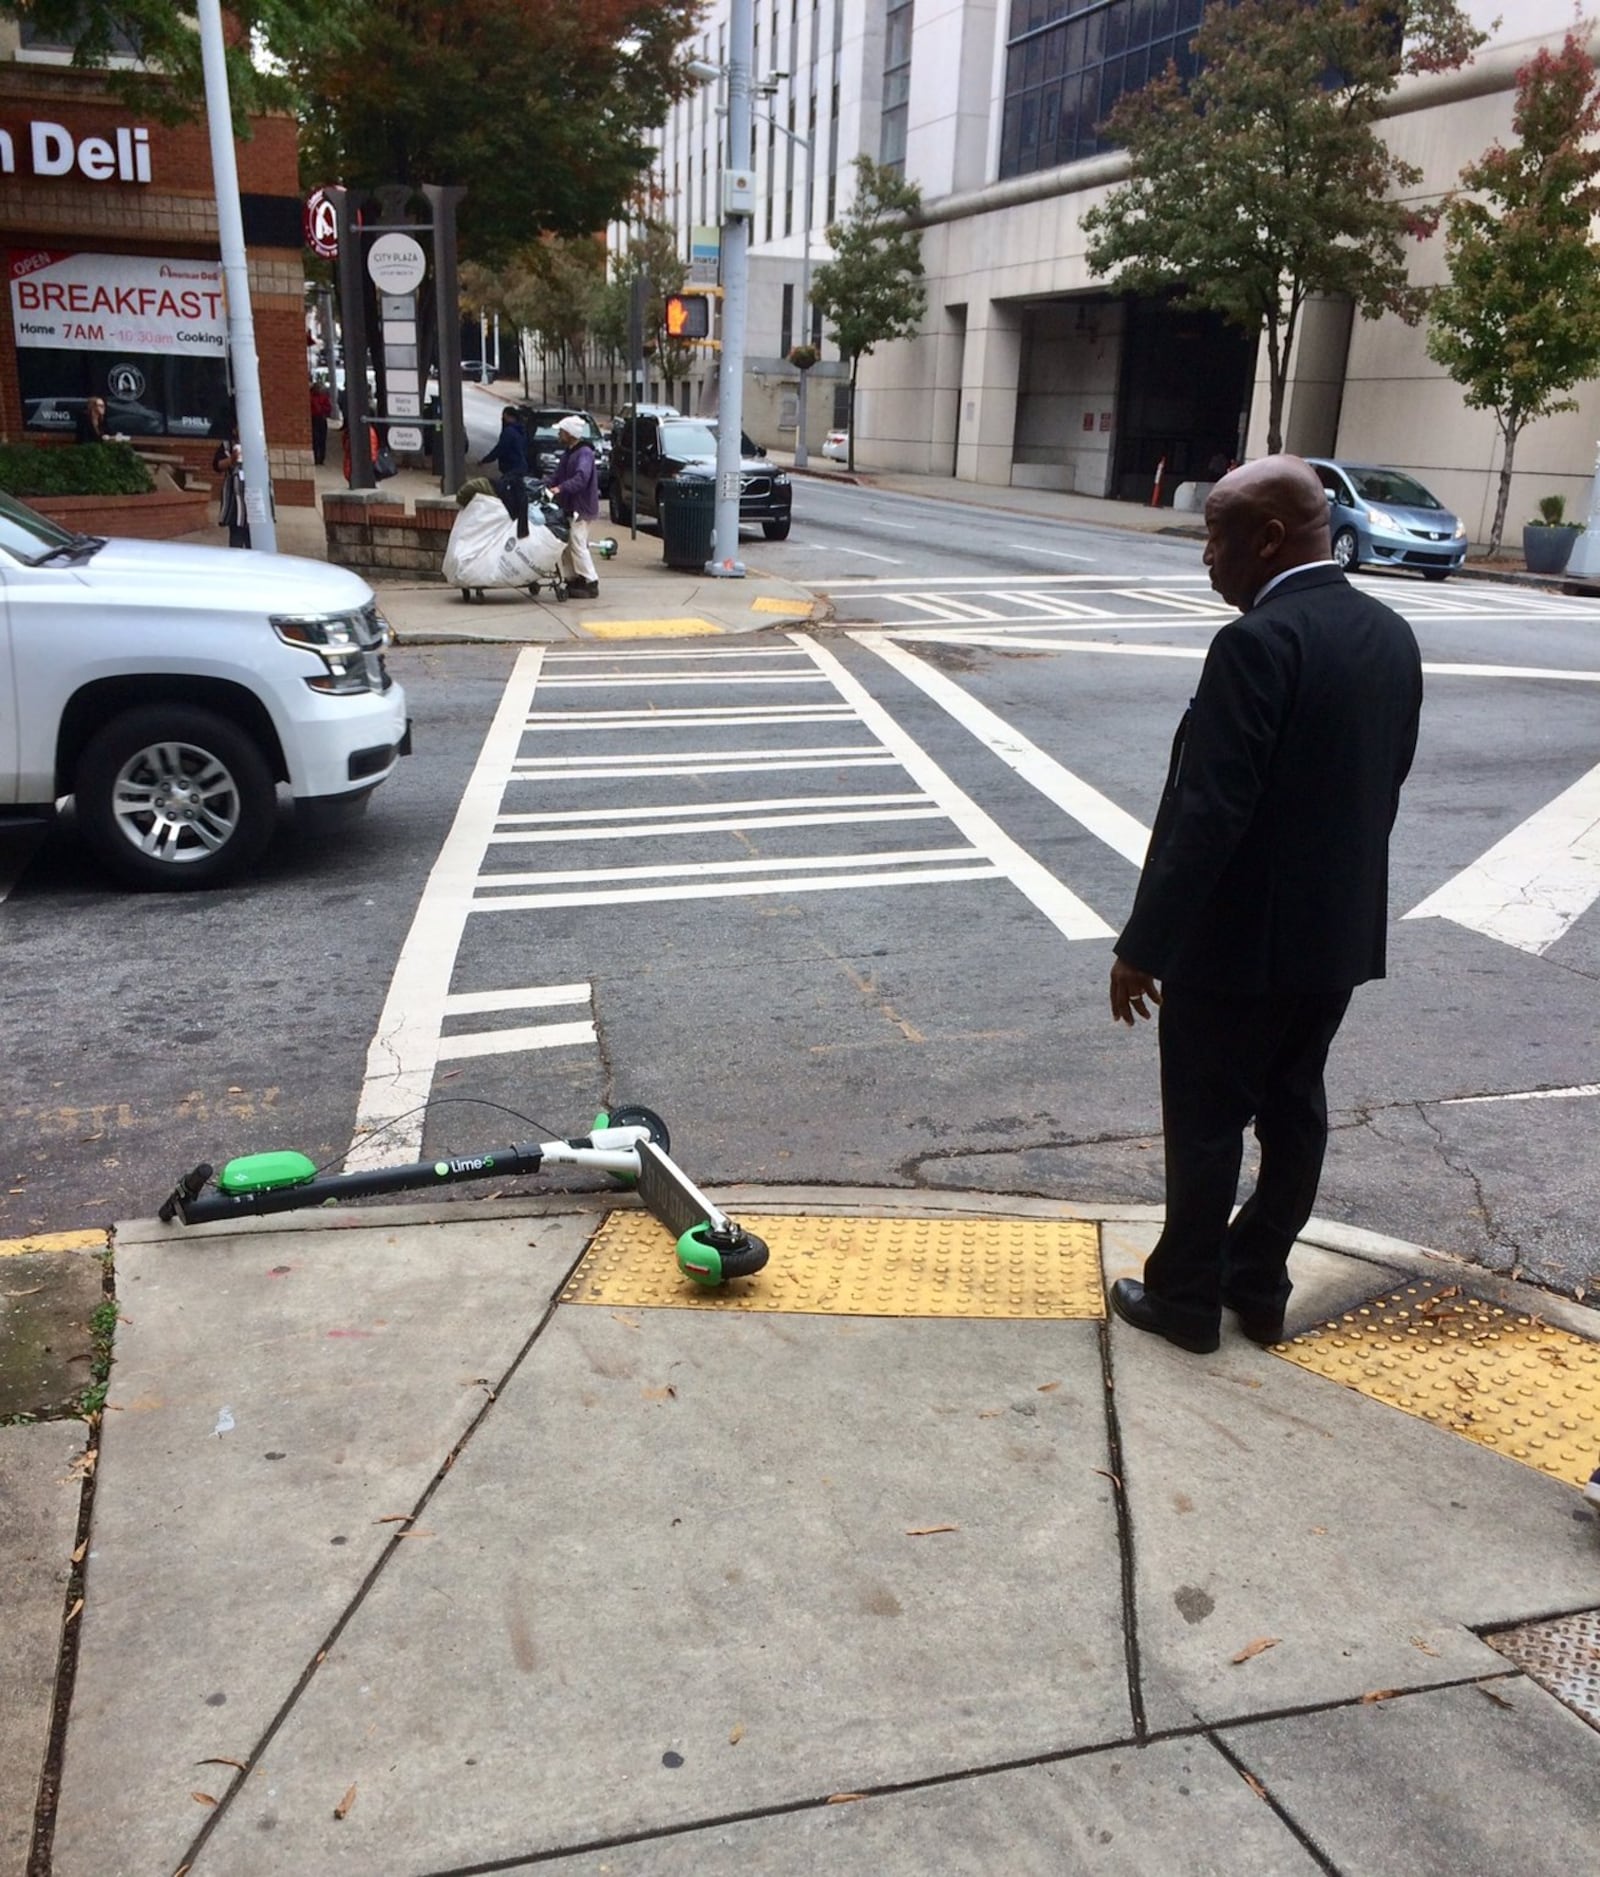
1385, 518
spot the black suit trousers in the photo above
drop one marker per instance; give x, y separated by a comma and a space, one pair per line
1225, 1062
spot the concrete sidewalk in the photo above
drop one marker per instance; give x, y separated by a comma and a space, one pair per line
415, 1551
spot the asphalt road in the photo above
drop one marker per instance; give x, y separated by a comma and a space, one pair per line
845, 918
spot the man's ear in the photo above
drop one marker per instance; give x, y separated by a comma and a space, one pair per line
1271, 538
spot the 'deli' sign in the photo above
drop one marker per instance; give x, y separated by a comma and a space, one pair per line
47, 149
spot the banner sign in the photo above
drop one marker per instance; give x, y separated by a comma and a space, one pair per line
118, 303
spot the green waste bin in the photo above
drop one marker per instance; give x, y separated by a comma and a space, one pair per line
688, 520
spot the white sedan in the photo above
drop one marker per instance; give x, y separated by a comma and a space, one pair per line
836, 445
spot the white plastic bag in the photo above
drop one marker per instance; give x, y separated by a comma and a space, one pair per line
484, 549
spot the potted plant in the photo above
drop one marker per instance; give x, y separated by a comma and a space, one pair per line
1547, 542
803, 357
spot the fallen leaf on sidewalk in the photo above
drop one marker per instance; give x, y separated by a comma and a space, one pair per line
81, 1553
988, 1414
1253, 1783
342, 1809
1258, 1647
1379, 1694
222, 1761
1499, 1700
1427, 1648
202, 1798
1048, 1388
1105, 1475
845, 1798
417, 1532
666, 1393
927, 1531
74, 1611
395, 1518
737, 1734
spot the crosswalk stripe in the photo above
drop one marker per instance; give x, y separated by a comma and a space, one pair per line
735, 889
513, 1042
1096, 813
647, 770
1530, 887
1062, 907
585, 876
479, 1003
657, 830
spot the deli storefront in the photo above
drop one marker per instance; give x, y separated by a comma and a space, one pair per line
114, 282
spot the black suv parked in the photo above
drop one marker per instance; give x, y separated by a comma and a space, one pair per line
687, 446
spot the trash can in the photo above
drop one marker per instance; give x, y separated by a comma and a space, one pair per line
688, 520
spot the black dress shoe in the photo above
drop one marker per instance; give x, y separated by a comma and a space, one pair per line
1261, 1326
1134, 1304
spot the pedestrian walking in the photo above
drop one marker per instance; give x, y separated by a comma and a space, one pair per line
228, 462
321, 411
1264, 896
510, 456
576, 488
90, 423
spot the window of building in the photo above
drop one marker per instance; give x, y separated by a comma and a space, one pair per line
786, 322
1069, 61
897, 83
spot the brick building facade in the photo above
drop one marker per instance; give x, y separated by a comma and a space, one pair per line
103, 208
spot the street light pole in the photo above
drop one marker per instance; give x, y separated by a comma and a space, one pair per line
737, 203
236, 280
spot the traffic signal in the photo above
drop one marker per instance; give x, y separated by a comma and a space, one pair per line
688, 316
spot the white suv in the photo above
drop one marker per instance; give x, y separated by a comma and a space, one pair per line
170, 689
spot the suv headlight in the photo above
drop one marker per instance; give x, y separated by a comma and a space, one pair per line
780, 481
349, 645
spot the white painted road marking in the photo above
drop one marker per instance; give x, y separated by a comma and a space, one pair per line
1055, 553
479, 1003
1065, 911
1530, 887
1096, 813
513, 1042
732, 889
404, 1053
1577, 1093
592, 876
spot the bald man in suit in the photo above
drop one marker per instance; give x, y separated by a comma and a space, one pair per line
1264, 897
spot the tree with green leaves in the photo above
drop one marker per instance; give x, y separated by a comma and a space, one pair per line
1518, 323
872, 290
542, 111
273, 37
1262, 180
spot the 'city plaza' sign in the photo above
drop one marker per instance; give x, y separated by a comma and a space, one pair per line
52, 150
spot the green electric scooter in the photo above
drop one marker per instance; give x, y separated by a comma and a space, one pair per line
630, 1144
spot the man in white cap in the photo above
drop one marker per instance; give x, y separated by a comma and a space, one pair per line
576, 488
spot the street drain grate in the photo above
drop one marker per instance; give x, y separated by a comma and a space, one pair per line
1562, 1656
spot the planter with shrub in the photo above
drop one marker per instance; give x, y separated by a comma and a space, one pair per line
1547, 542
101, 488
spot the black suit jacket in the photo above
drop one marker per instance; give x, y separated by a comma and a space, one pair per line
1268, 868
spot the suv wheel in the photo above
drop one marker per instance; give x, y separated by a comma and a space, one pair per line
619, 508
173, 796
776, 530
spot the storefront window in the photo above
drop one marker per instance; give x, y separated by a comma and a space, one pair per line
148, 335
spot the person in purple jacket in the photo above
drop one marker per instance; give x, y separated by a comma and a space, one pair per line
576, 488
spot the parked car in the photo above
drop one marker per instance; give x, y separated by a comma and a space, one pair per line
545, 448
626, 415
687, 446
172, 688
837, 445
1385, 518
125, 417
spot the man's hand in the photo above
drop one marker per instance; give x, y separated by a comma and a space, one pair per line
1129, 988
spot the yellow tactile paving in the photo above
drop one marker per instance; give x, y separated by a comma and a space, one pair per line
841, 1266
652, 629
1504, 1379
796, 609
52, 1241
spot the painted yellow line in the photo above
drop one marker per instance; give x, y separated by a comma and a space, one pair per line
652, 629
842, 1266
797, 609
1502, 1378
52, 1241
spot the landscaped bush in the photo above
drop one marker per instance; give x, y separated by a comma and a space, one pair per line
80, 469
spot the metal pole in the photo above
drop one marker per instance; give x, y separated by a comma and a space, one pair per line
236, 283
735, 292
800, 455
442, 199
